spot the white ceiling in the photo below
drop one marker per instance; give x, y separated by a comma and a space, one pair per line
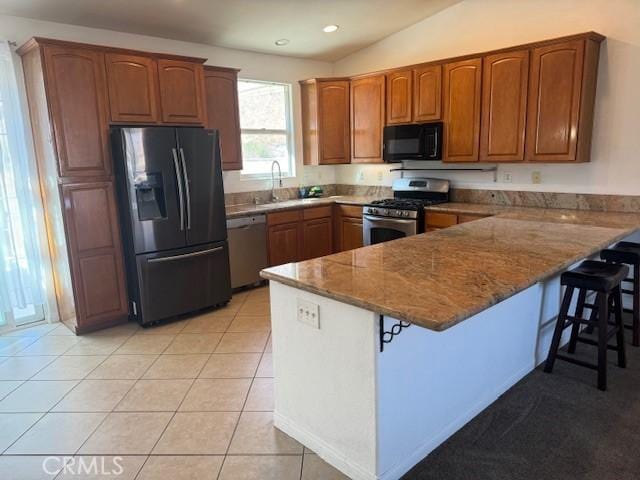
244, 24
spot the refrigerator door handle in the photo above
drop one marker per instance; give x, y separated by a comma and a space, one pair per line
180, 192
186, 187
186, 255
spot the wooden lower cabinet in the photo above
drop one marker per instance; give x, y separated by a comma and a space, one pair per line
316, 238
284, 243
347, 227
296, 235
437, 220
351, 233
95, 255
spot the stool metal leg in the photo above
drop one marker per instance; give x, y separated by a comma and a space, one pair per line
636, 306
603, 317
622, 356
575, 328
557, 333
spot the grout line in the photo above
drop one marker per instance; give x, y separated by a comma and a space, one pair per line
302, 463
20, 383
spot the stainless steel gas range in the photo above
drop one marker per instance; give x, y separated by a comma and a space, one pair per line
402, 215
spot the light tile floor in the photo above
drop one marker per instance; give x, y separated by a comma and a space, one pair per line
192, 399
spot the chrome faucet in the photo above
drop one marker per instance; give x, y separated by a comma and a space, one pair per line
274, 197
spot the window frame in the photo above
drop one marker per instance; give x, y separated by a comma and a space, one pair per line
288, 131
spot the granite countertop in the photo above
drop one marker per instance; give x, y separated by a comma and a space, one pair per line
248, 209
441, 278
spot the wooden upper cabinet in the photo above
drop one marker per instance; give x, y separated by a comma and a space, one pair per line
76, 93
133, 88
181, 91
367, 119
427, 93
333, 122
504, 106
561, 98
462, 92
399, 89
221, 94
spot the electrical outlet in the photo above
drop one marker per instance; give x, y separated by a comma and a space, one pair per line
309, 313
361, 176
536, 177
507, 177
380, 176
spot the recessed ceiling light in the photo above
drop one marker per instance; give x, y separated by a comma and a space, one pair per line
330, 28
282, 42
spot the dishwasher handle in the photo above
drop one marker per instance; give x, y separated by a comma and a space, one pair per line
246, 222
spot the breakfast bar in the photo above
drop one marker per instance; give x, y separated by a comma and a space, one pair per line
383, 352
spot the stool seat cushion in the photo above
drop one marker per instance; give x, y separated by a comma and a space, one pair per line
594, 275
623, 252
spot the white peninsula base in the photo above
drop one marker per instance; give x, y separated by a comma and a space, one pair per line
374, 415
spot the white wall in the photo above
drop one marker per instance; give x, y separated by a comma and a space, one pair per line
253, 65
480, 25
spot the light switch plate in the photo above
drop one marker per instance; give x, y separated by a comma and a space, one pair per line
308, 313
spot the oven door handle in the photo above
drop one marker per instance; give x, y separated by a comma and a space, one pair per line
386, 221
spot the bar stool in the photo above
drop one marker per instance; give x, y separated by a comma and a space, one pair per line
604, 279
628, 253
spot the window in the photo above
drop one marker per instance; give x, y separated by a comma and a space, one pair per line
265, 125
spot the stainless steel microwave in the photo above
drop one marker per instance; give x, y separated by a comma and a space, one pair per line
420, 141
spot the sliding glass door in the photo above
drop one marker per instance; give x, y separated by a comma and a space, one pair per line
22, 285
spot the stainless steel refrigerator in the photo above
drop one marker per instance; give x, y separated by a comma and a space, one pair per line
171, 203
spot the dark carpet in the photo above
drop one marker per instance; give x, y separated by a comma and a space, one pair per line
550, 426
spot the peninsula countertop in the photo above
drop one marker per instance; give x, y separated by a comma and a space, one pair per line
441, 278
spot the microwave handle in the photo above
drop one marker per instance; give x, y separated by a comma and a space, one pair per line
435, 146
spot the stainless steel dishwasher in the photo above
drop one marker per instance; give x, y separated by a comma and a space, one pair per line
247, 249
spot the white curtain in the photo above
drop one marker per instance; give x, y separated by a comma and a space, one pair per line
21, 264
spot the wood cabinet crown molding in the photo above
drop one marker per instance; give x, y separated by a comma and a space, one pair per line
589, 35
36, 42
